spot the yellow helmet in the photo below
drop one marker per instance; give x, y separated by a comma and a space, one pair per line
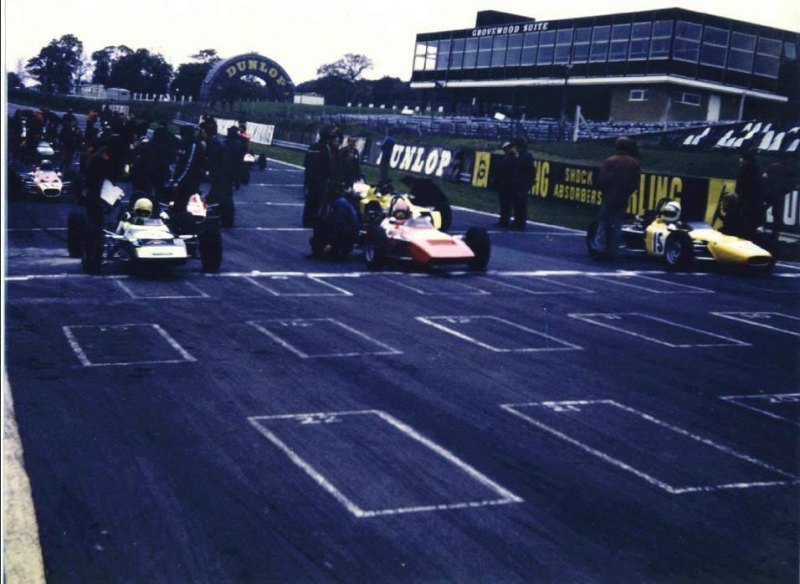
143, 208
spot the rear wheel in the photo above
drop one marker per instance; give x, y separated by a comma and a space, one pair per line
678, 251
76, 226
210, 243
376, 247
477, 238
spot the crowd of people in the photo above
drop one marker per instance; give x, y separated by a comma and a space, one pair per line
161, 166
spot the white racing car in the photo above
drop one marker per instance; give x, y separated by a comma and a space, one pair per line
44, 181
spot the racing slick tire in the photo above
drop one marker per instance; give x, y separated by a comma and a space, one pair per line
92, 250
373, 213
76, 227
591, 233
477, 239
678, 251
376, 246
262, 161
210, 244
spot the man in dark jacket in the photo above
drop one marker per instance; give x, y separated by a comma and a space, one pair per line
189, 168
523, 178
322, 168
618, 179
220, 174
350, 164
504, 173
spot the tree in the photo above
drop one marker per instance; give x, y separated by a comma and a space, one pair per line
58, 65
350, 67
14, 81
141, 72
104, 61
190, 76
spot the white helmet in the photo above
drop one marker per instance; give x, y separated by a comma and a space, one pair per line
143, 208
401, 210
671, 211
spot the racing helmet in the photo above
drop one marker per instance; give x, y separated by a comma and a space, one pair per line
143, 208
670, 212
401, 210
46, 165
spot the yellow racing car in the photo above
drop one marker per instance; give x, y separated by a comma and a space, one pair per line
680, 244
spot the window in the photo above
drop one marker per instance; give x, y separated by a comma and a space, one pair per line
470, 53
581, 45
620, 37
529, 47
689, 99
499, 51
485, 52
430, 55
443, 58
767, 61
563, 46
457, 54
546, 49
600, 38
742, 51
790, 51
640, 41
514, 50
419, 56
662, 39
639, 95
687, 42
715, 46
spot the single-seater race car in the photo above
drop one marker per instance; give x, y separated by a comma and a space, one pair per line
44, 181
374, 202
402, 237
141, 240
680, 244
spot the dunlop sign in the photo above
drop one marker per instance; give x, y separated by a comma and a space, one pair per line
426, 160
253, 66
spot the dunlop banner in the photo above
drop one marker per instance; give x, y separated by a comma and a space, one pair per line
699, 197
426, 160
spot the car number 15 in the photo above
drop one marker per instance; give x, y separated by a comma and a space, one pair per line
659, 237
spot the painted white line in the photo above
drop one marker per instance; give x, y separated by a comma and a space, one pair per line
662, 287
268, 204
34, 229
788, 265
431, 320
132, 294
771, 398
469, 290
86, 362
556, 405
274, 185
487, 214
506, 496
611, 316
570, 289
304, 322
753, 317
337, 291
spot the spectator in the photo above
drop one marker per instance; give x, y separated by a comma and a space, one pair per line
749, 187
220, 175
618, 179
523, 179
322, 169
505, 168
387, 147
349, 157
234, 152
779, 180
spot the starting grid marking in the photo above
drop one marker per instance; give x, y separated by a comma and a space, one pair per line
321, 439
768, 320
766, 404
438, 287
96, 343
303, 285
138, 292
315, 338
616, 320
658, 286
496, 330
564, 413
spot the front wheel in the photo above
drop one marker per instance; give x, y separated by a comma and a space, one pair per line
376, 247
477, 239
678, 251
210, 248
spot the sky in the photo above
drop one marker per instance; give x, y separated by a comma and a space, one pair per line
301, 35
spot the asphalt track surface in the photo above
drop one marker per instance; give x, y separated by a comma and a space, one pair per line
298, 420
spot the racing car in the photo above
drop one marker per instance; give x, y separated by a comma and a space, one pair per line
141, 240
44, 181
374, 203
403, 237
680, 244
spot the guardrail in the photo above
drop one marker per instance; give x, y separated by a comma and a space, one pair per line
292, 145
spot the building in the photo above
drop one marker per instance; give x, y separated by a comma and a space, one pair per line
97, 91
658, 65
